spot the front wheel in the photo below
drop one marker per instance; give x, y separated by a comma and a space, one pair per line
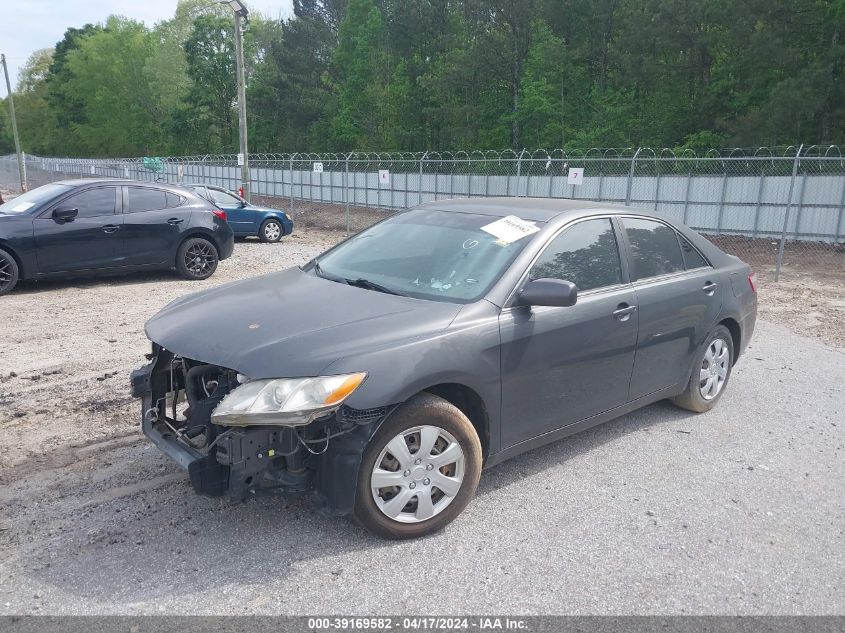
419, 471
197, 259
9, 272
270, 231
710, 373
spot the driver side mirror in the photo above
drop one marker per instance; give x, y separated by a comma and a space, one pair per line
63, 214
548, 292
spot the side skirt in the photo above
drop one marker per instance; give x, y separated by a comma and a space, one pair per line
583, 425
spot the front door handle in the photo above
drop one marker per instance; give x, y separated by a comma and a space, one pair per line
623, 312
175, 221
709, 288
110, 228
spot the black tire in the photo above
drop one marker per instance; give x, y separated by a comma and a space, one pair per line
693, 398
274, 228
9, 272
197, 259
423, 410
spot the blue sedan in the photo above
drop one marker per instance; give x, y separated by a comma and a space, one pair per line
270, 225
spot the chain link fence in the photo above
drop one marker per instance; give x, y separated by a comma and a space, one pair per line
780, 209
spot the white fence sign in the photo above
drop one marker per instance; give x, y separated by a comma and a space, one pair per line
318, 168
384, 177
576, 176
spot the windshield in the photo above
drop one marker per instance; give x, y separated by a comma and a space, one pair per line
34, 198
427, 254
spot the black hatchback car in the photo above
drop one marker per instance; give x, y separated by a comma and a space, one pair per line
84, 227
389, 370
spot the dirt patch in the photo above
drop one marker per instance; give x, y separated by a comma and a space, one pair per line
325, 215
820, 259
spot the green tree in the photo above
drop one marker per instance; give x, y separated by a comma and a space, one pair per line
211, 96
107, 79
36, 123
356, 112
67, 110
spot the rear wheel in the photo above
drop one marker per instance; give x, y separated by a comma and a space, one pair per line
197, 259
419, 471
710, 373
271, 231
9, 272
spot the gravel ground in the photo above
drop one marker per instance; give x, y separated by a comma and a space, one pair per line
737, 511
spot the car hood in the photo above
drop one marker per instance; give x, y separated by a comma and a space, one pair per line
291, 323
11, 217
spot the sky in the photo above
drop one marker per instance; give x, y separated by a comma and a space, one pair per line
28, 25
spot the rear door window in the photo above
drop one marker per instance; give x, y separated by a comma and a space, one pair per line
142, 199
654, 248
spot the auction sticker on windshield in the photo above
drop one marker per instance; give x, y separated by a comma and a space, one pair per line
510, 228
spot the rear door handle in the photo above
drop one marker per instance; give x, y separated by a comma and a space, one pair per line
623, 312
709, 288
175, 221
110, 228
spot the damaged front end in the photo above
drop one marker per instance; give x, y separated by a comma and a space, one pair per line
237, 454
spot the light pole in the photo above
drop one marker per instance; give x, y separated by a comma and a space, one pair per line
21, 170
241, 13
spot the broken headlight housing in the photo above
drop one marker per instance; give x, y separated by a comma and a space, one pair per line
285, 401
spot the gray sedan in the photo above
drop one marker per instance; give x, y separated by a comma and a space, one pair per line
386, 373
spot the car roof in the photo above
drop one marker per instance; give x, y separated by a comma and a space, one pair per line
533, 209
203, 184
79, 182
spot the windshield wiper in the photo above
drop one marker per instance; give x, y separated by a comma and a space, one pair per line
358, 283
371, 285
321, 273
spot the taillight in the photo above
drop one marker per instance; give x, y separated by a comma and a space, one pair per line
220, 214
752, 281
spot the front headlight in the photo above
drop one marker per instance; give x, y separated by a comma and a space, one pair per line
285, 401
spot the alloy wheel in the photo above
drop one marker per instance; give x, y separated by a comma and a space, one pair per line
714, 369
199, 258
418, 474
5, 272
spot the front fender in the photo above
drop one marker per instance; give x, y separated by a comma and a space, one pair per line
466, 353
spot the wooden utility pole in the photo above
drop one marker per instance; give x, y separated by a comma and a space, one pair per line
21, 169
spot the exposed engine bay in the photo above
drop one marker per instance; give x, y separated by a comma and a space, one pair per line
178, 397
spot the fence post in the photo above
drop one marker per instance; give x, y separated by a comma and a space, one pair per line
519, 172
291, 185
722, 201
840, 224
631, 178
686, 195
800, 208
419, 184
346, 191
759, 203
788, 212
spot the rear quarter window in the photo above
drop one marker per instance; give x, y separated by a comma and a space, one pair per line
174, 200
692, 258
